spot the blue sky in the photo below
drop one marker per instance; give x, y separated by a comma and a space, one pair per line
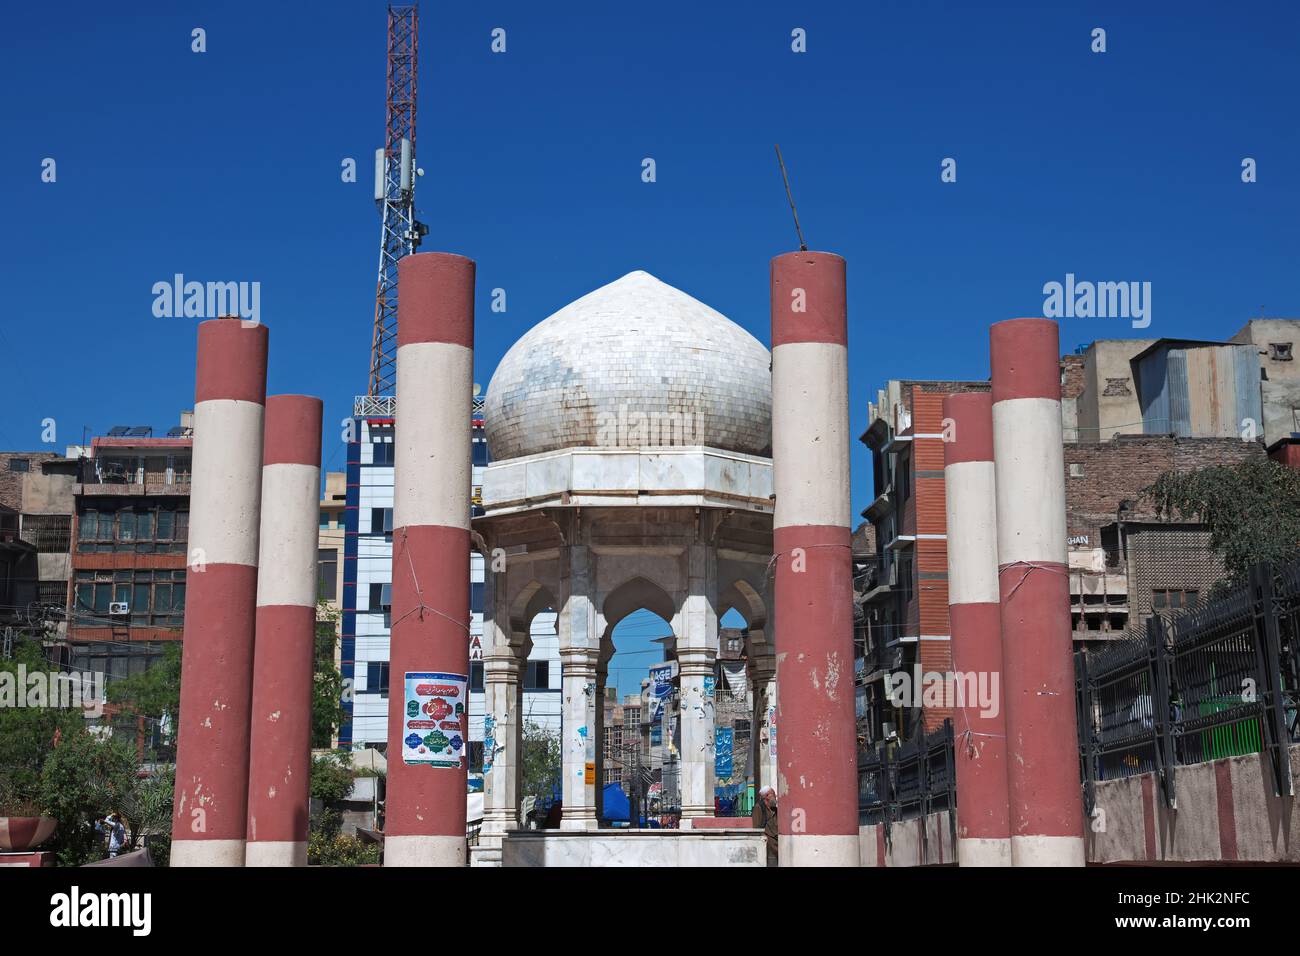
225, 166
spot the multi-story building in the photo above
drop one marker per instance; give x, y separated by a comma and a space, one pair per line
330, 541
35, 532
903, 589
1126, 562
367, 593
129, 553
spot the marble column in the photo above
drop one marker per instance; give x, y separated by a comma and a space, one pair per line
602, 678
697, 755
762, 680
502, 727
579, 653
579, 720
697, 650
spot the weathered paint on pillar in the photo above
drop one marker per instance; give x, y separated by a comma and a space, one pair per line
425, 822
983, 827
210, 813
817, 790
1046, 806
279, 773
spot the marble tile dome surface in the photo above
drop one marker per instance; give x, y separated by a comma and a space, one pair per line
634, 363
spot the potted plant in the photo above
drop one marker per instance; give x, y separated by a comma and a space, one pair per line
22, 824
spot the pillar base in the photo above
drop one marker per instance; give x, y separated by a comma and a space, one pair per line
983, 852
276, 853
1048, 851
424, 851
207, 853
808, 849
485, 853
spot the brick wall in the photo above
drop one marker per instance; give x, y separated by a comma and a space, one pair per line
1118, 470
11, 482
1072, 376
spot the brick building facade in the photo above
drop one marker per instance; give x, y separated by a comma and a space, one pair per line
1125, 563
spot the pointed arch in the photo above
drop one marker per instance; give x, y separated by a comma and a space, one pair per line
633, 595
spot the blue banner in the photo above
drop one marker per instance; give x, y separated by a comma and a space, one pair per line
723, 745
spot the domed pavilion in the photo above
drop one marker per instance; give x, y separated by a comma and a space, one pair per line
630, 435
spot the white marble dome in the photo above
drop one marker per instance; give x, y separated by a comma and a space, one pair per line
632, 364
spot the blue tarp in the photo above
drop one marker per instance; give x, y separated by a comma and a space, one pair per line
616, 803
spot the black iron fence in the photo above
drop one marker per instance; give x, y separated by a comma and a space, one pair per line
909, 780
1222, 679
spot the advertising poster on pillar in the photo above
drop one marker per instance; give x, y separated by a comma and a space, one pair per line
436, 719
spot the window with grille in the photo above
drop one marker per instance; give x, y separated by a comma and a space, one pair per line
49, 534
1164, 599
154, 598
327, 573
144, 529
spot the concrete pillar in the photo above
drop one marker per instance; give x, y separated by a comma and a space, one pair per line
279, 773
983, 825
1029, 472
578, 738
817, 790
210, 814
425, 824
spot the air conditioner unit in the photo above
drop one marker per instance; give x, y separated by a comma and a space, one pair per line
119, 607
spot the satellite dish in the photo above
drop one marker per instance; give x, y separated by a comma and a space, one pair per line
477, 388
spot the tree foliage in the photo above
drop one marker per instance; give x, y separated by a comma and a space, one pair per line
1251, 509
53, 764
539, 765
155, 693
83, 778
338, 849
27, 736
331, 778
328, 713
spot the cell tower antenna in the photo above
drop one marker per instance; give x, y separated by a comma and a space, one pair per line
803, 246
395, 176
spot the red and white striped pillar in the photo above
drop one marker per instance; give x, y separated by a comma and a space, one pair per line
983, 825
279, 773
1042, 745
425, 822
817, 779
221, 594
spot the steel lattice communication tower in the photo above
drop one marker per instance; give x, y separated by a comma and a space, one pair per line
395, 175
